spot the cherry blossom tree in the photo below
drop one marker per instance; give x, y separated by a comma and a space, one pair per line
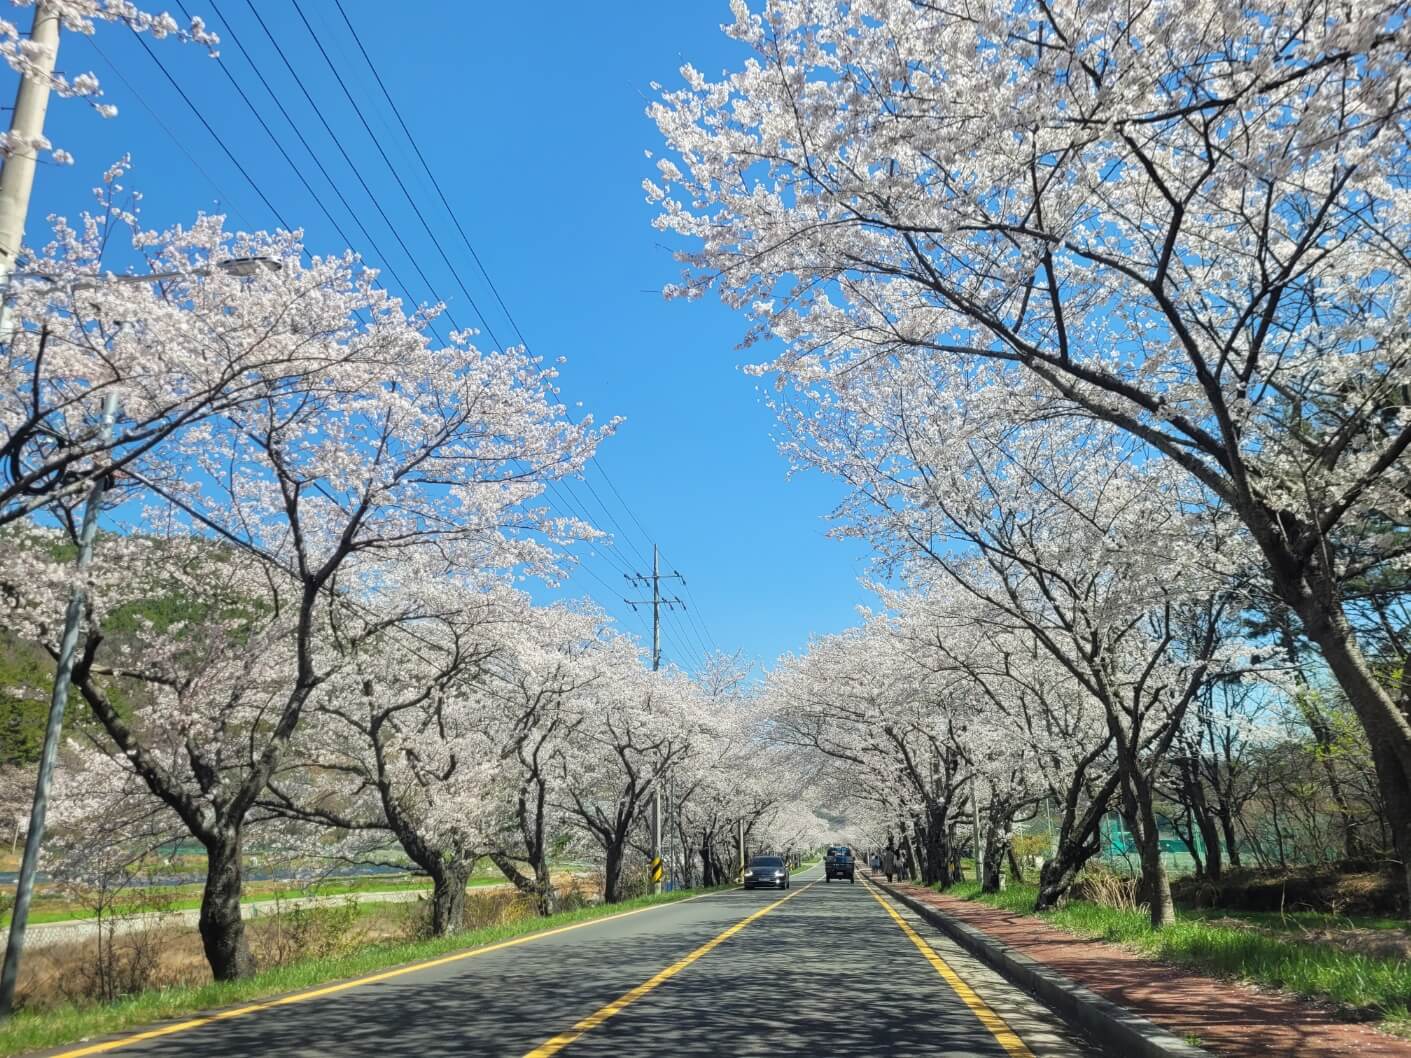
396, 740
858, 699
301, 498
549, 661
1181, 220
176, 352
633, 728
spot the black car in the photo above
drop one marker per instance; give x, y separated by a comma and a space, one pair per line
769, 871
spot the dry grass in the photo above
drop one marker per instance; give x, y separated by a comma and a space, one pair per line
164, 955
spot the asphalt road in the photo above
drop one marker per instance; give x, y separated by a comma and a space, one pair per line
823, 969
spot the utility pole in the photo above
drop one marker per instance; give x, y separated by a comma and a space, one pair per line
975, 808
16, 184
68, 645
656, 602
26, 127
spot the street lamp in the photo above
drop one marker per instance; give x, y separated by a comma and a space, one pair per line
240, 267
68, 643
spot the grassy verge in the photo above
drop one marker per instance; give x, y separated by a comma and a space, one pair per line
30, 1031
1298, 921
1360, 985
51, 907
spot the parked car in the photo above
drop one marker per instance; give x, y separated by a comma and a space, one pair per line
768, 871
838, 863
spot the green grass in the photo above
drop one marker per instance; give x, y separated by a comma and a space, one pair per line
38, 1030
1360, 984
1295, 921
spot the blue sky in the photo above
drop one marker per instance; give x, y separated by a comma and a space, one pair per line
532, 118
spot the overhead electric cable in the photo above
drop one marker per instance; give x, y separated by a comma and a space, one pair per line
337, 142
622, 533
228, 201
214, 134
430, 172
377, 142
386, 261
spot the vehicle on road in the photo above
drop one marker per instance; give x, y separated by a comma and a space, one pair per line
838, 863
767, 871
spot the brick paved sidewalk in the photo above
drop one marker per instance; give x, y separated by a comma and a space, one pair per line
1228, 1018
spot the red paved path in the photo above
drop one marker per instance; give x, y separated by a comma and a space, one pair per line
1229, 1018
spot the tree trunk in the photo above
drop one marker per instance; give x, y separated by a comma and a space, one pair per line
1227, 826
1078, 840
448, 897
1202, 821
545, 896
612, 872
1141, 819
936, 867
222, 929
1210, 838
1388, 729
992, 873
1016, 869
1058, 874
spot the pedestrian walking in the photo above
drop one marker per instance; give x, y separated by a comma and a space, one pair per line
875, 863
889, 863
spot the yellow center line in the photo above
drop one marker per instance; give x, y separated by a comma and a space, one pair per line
343, 986
593, 1020
992, 1021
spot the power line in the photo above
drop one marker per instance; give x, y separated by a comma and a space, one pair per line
396, 175
377, 205
470, 248
141, 39
618, 564
377, 142
465, 238
429, 172
687, 650
226, 199
298, 170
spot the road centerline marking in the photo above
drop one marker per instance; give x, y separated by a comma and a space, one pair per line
592, 1021
994, 1024
319, 991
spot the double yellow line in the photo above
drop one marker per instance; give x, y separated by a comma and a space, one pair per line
593, 1020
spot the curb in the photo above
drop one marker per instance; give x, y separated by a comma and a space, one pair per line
1115, 1028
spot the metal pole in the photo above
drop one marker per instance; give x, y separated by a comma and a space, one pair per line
656, 664
979, 852
68, 647
26, 126
740, 850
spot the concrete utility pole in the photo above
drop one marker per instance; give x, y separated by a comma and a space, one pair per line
16, 184
68, 647
975, 809
656, 602
26, 126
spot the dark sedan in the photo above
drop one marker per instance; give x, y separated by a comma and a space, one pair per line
767, 871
